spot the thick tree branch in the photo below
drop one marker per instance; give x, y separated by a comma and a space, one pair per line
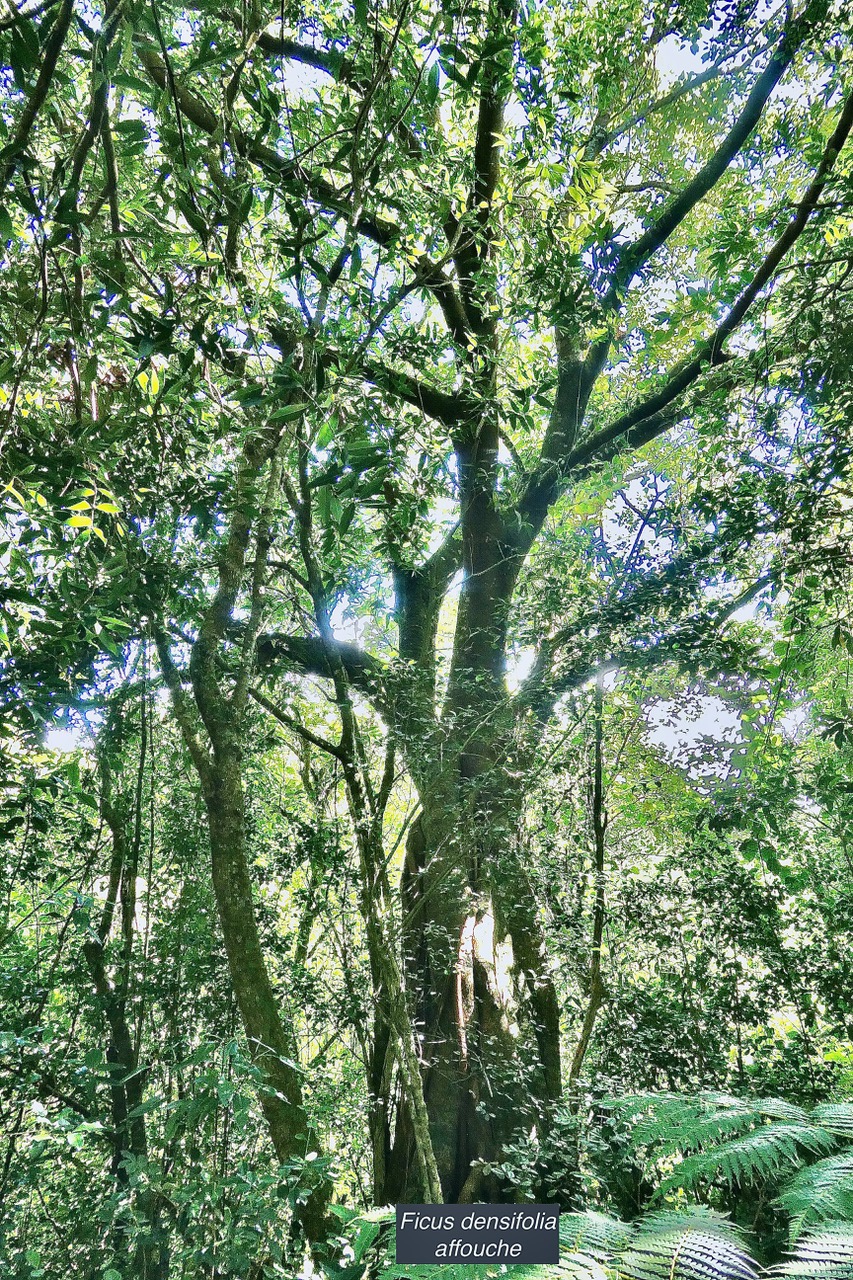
290, 172
285, 171
604, 137
332, 61
448, 408
418, 595
24, 13
472, 251
649, 419
697, 636
632, 258
655, 415
595, 991
12, 151
291, 723
172, 677
308, 655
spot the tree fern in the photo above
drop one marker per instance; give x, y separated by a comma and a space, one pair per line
755, 1156
836, 1117
689, 1122
696, 1244
697, 1217
723, 1139
595, 1234
676, 1253
820, 1193
825, 1255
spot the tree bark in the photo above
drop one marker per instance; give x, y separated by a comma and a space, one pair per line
480, 991
595, 987
127, 1081
218, 762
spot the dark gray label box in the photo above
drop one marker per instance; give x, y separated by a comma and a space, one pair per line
436, 1233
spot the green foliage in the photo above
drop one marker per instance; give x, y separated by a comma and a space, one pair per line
715, 1138
385, 333
820, 1193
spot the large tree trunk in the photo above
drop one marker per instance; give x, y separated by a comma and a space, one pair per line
481, 994
480, 990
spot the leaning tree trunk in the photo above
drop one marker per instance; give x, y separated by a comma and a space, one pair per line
218, 758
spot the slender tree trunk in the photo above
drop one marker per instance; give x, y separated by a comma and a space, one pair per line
595, 985
218, 759
127, 1081
272, 1042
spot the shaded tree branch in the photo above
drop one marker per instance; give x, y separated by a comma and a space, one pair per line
36, 100
308, 656
172, 677
380, 230
291, 723
449, 408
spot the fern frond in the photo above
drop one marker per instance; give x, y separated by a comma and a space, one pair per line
761, 1153
661, 1123
779, 1109
704, 1131
644, 1108
593, 1233
626, 1102
697, 1217
685, 1255
693, 1244
826, 1255
726, 1101
669, 1123
837, 1117
821, 1192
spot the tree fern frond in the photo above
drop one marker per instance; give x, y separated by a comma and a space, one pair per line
761, 1153
593, 1233
703, 1131
837, 1117
663, 1118
690, 1244
685, 1255
821, 1192
825, 1255
636, 1107
726, 1101
696, 1217
670, 1123
623, 1102
779, 1109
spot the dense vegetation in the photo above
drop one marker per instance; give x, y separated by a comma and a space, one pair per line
426, 742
